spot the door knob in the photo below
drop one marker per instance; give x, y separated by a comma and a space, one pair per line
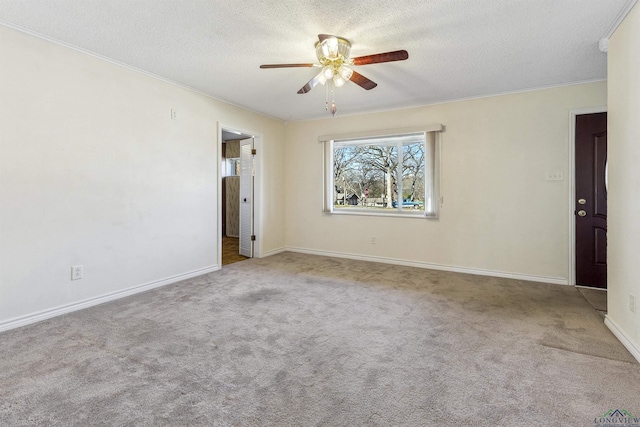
582, 212
582, 201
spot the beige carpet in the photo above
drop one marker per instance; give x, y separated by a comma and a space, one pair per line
299, 340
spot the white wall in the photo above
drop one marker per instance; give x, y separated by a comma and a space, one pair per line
94, 172
624, 181
500, 215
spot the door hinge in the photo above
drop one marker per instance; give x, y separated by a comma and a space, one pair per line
254, 151
253, 237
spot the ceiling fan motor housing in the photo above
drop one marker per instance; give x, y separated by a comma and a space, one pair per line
333, 48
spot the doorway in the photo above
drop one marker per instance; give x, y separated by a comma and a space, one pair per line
590, 200
237, 176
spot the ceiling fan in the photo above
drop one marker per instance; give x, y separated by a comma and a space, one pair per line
333, 57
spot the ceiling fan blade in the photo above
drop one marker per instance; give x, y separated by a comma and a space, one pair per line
362, 81
287, 65
396, 55
310, 85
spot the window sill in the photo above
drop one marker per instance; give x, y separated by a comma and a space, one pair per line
396, 214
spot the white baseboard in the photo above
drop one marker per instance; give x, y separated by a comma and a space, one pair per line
623, 338
68, 308
273, 252
420, 264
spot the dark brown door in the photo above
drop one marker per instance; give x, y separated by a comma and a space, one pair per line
591, 200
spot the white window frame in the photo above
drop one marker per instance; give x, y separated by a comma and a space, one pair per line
432, 141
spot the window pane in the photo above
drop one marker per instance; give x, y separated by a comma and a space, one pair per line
413, 178
233, 167
365, 176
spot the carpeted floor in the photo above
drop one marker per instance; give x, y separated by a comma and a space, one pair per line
300, 340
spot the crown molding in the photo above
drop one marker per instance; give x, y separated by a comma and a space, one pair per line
603, 44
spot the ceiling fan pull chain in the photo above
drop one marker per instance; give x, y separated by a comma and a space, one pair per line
326, 98
334, 109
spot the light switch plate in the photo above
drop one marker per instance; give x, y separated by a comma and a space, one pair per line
555, 176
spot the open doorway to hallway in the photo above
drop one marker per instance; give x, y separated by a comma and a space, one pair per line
237, 196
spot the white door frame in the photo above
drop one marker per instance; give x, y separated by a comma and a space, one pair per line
572, 185
257, 189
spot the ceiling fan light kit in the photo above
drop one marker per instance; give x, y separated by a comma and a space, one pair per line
333, 56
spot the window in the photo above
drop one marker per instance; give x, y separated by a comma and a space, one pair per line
390, 174
233, 167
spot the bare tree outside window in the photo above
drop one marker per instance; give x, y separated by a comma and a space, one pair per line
381, 174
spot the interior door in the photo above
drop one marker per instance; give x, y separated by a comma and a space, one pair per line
246, 197
591, 200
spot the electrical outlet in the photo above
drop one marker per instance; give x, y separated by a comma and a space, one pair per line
76, 272
373, 240
632, 303
174, 114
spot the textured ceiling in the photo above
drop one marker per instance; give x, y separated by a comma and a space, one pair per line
457, 48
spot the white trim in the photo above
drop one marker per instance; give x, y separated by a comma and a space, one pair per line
431, 266
604, 41
623, 338
274, 252
603, 45
572, 185
112, 296
219, 194
448, 101
591, 288
435, 127
407, 213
